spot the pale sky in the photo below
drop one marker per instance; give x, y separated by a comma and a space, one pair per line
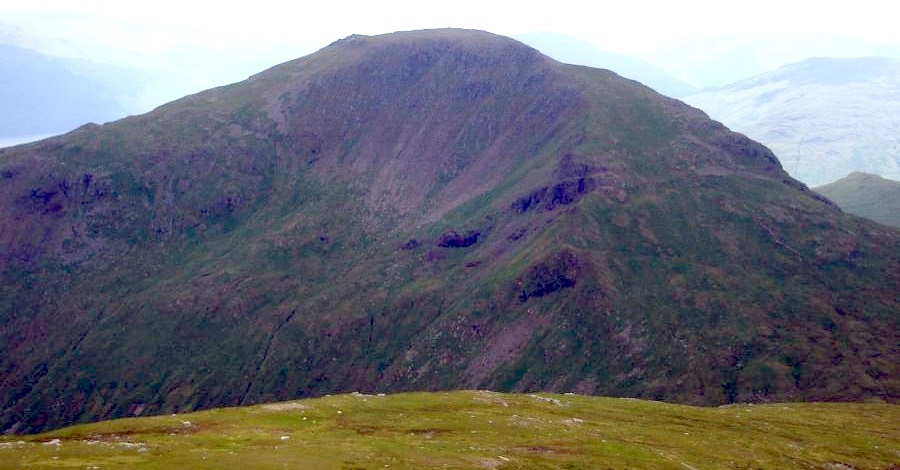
188, 45
634, 26
201, 44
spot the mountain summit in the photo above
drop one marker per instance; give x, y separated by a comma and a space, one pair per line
427, 210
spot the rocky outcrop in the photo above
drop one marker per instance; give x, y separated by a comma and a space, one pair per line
557, 272
548, 198
453, 239
419, 211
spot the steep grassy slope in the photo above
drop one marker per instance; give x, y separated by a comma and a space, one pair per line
419, 211
478, 430
866, 195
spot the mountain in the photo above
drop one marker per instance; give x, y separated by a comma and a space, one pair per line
41, 94
573, 50
427, 210
719, 60
866, 195
824, 118
478, 430
53, 84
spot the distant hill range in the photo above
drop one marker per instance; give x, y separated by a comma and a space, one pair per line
708, 61
573, 50
51, 85
824, 118
427, 210
42, 94
866, 195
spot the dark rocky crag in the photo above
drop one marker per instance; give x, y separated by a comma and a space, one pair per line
427, 210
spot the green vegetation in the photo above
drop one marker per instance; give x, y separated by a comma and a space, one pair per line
292, 236
477, 430
866, 195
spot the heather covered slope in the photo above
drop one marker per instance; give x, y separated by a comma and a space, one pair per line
427, 210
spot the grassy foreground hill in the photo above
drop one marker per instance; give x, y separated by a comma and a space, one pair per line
478, 430
427, 210
866, 195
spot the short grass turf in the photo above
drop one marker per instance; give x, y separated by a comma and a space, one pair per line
478, 429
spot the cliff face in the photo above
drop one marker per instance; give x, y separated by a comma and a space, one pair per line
427, 210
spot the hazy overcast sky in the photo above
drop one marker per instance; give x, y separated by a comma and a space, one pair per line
632, 26
201, 44
185, 46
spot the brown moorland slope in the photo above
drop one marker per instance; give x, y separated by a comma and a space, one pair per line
427, 210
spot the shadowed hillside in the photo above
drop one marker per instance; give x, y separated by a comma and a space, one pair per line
419, 211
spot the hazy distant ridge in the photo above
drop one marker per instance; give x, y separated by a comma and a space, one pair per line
573, 50
824, 118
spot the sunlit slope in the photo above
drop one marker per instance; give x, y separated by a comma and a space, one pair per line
866, 195
478, 430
